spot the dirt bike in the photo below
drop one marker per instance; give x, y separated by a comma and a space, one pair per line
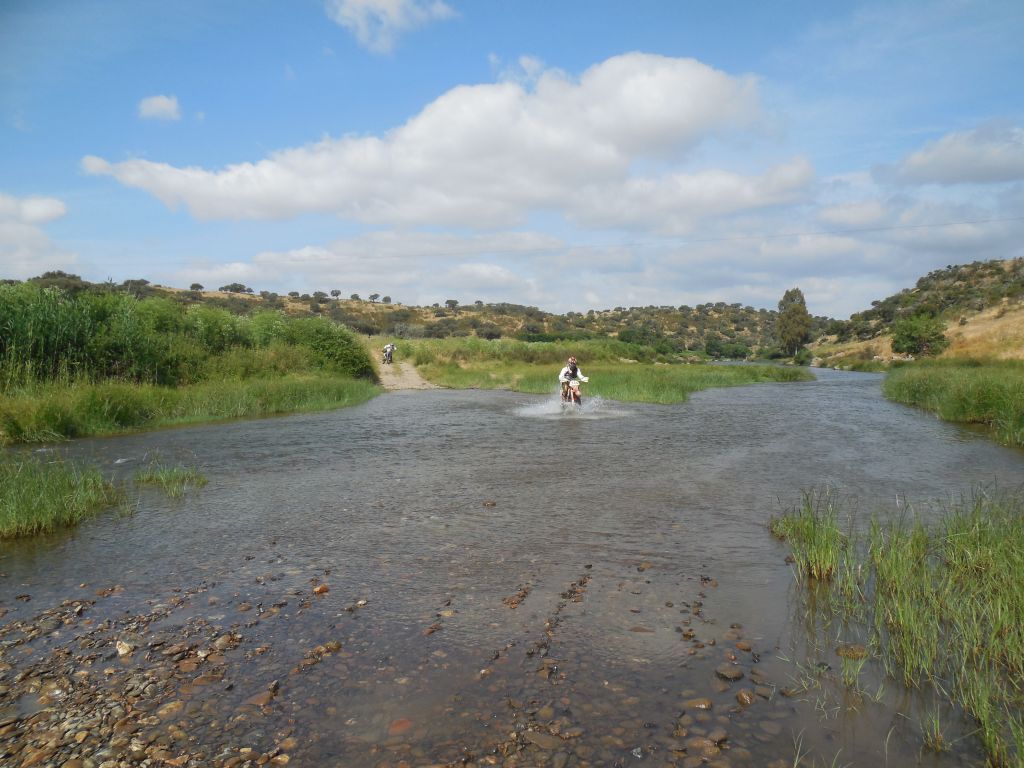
571, 391
387, 356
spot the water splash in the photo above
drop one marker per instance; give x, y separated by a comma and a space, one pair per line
554, 408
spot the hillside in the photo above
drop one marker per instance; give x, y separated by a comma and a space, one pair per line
980, 304
684, 332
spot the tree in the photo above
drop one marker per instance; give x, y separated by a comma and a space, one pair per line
293, 294
355, 297
793, 328
386, 300
319, 296
195, 287
335, 293
452, 304
374, 297
919, 335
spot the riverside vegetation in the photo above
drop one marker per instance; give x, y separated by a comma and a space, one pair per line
937, 604
102, 362
966, 391
618, 370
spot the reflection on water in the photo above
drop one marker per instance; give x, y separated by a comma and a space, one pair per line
503, 577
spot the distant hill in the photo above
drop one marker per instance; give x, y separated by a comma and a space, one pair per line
950, 293
981, 304
705, 330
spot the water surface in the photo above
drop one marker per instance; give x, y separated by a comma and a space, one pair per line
498, 567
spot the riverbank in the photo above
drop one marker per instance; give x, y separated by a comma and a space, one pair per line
48, 412
965, 391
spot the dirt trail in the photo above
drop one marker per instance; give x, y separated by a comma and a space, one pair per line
402, 376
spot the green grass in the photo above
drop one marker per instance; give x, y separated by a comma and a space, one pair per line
38, 496
626, 382
465, 350
990, 393
173, 481
44, 412
812, 531
943, 604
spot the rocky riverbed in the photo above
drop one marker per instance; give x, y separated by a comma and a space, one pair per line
199, 677
298, 674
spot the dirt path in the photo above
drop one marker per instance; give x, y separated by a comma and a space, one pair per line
402, 376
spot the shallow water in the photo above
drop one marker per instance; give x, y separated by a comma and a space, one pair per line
525, 569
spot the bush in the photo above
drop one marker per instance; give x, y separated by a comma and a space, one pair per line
919, 335
335, 347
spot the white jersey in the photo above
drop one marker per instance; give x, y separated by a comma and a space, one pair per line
566, 376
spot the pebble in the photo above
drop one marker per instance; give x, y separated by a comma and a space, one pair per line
730, 672
698, 703
745, 696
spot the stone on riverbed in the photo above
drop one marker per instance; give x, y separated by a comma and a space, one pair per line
544, 740
729, 672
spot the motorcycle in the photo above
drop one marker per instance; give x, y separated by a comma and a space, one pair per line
387, 355
571, 391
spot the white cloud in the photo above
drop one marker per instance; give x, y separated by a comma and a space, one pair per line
377, 24
25, 249
673, 204
159, 108
489, 155
988, 154
864, 213
414, 267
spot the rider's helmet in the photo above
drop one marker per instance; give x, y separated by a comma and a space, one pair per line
572, 361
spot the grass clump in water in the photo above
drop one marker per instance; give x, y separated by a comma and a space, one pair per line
174, 481
38, 496
966, 391
812, 531
943, 604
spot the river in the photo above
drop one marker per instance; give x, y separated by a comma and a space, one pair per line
448, 577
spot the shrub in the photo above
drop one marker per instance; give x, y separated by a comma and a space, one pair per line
334, 346
919, 335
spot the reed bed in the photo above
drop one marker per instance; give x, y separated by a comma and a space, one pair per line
40, 495
990, 393
940, 603
626, 382
49, 412
103, 362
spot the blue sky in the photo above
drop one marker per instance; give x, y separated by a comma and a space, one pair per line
571, 155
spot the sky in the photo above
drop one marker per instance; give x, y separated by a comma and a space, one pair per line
569, 155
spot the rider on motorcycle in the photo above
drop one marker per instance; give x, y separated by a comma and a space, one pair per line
571, 373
